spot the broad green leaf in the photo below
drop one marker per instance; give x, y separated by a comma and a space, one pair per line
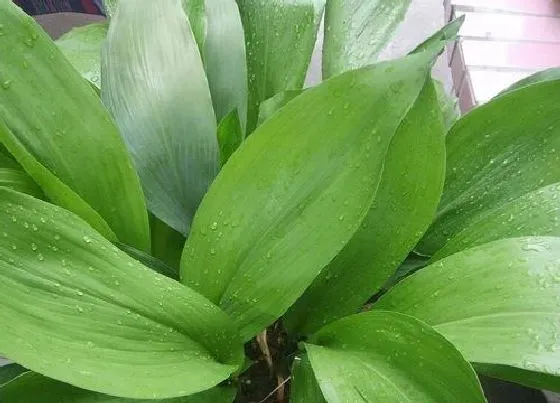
387, 357
499, 303
280, 36
271, 105
155, 86
534, 213
286, 192
541, 76
230, 136
402, 210
167, 244
17, 179
55, 126
447, 33
528, 378
225, 60
356, 31
9, 372
75, 308
194, 9
304, 387
82, 47
6, 159
412, 263
33, 387
501, 151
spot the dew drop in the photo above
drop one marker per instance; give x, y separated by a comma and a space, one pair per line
86, 239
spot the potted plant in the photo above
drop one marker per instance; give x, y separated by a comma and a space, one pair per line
182, 222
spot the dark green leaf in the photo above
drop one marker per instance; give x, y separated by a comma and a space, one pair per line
356, 31
447, 33
271, 105
541, 76
167, 244
499, 303
305, 388
280, 37
285, 192
9, 372
17, 179
33, 387
82, 47
402, 210
155, 86
225, 60
505, 151
75, 308
523, 377
447, 104
230, 136
54, 124
387, 357
150, 261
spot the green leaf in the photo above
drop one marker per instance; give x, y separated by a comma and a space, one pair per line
82, 47
541, 76
78, 310
447, 104
167, 244
54, 124
225, 60
7, 161
502, 151
32, 386
523, 377
497, 303
9, 372
387, 357
275, 29
447, 33
18, 180
286, 192
356, 31
304, 388
271, 105
230, 136
155, 86
534, 213
150, 261
402, 210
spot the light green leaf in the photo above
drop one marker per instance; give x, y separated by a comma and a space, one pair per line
534, 213
68, 144
230, 136
356, 31
75, 308
18, 180
271, 105
33, 387
387, 357
82, 47
280, 37
447, 33
9, 372
502, 151
402, 210
447, 104
225, 60
155, 86
304, 388
541, 76
498, 303
285, 192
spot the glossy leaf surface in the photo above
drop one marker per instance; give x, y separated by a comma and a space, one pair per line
155, 86
280, 37
386, 357
505, 303
500, 152
75, 308
285, 192
69, 145
230, 136
403, 208
356, 31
